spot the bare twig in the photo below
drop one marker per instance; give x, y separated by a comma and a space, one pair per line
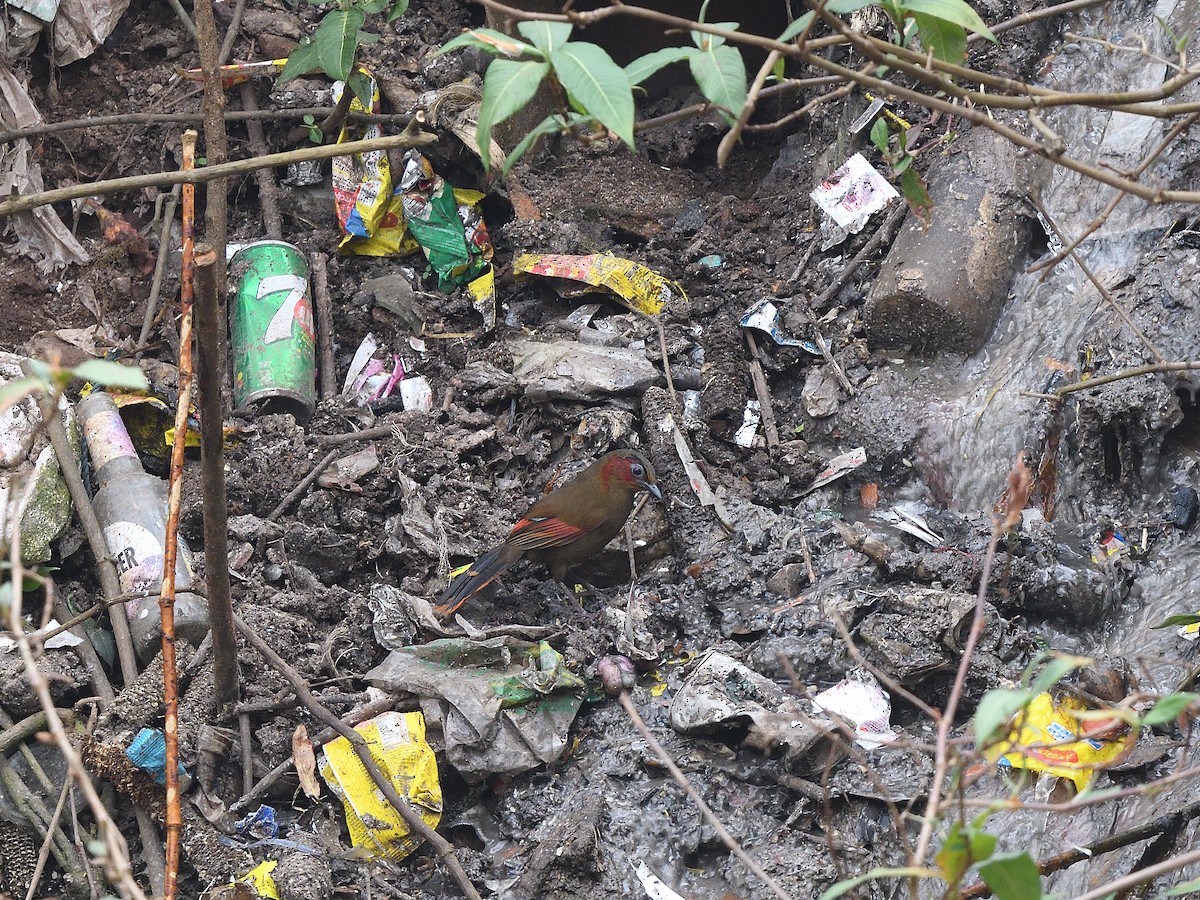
763, 391
705, 810
734, 134
323, 304
1126, 373
160, 266
313, 474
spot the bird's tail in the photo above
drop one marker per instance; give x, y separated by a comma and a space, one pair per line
482, 572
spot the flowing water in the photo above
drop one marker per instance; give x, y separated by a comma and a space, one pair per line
981, 421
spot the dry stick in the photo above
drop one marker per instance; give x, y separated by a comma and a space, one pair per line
759, 377
51, 830
209, 326
30, 803
183, 16
1162, 824
369, 711
324, 309
441, 846
1141, 876
268, 193
412, 138
235, 27
709, 816
350, 437
1104, 292
308, 479
1127, 373
235, 115
116, 851
1091, 228
160, 267
883, 234
174, 815
734, 134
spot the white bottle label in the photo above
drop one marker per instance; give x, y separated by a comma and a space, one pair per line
138, 555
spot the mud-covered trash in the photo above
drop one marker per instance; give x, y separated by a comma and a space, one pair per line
259, 825
574, 372
837, 467
914, 633
636, 286
904, 517
260, 878
765, 316
1185, 507
859, 699
344, 473
699, 484
631, 636
751, 417
397, 744
504, 705
29, 465
655, 887
821, 393
617, 674
853, 192
721, 693
1041, 741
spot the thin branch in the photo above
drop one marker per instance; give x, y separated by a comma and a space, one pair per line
1126, 373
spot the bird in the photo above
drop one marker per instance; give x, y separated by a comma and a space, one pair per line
565, 527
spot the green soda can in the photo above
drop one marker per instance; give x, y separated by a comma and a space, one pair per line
271, 319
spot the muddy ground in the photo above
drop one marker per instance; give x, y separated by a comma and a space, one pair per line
451, 480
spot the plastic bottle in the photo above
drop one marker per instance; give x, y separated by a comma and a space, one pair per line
132, 508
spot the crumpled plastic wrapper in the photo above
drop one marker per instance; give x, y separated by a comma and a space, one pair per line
40, 232
503, 705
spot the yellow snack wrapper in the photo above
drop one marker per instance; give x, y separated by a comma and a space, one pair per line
638, 287
397, 744
483, 296
1045, 723
260, 879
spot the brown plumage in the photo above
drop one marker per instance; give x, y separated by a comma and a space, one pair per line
565, 527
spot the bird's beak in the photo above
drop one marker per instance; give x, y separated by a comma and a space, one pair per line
653, 489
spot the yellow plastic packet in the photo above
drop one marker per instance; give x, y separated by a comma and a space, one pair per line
260, 878
1044, 723
638, 287
397, 744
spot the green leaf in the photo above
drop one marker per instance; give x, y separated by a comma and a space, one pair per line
837, 7
507, 86
1185, 619
546, 36
400, 8
302, 61
706, 41
995, 709
961, 850
374, 6
550, 125
721, 76
113, 374
337, 41
645, 66
360, 85
844, 887
1013, 876
1186, 888
494, 42
956, 11
879, 135
15, 391
592, 78
945, 40
1169, 708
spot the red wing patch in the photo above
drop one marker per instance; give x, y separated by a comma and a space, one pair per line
548, 531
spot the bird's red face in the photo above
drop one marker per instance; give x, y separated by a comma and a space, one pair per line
632, 469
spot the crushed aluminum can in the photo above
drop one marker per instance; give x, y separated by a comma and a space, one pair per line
271, 320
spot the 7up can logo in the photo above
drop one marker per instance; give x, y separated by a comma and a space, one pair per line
271, 321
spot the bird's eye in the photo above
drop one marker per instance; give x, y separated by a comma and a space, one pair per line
637, 471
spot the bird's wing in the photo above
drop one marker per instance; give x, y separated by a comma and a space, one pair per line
537, 532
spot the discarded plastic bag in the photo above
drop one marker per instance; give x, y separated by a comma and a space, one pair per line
859, 699
504, 705
638, 287
1040, 743
397, 744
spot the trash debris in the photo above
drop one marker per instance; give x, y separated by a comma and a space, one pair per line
695, 477
837, 467
853, 192
1040, 733
751, 416
148, 751
397, 744
639, 288
503, 705
617, 673
1114, 546
820, 393
260, 879
1185, 507
766, 317
859, 699
273, 341
41, 234
120, 233
571, 371
237, 72
721, 692
132, 508
655, 888
344, 473
28, 462
261, 824
713, 261
903, 517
